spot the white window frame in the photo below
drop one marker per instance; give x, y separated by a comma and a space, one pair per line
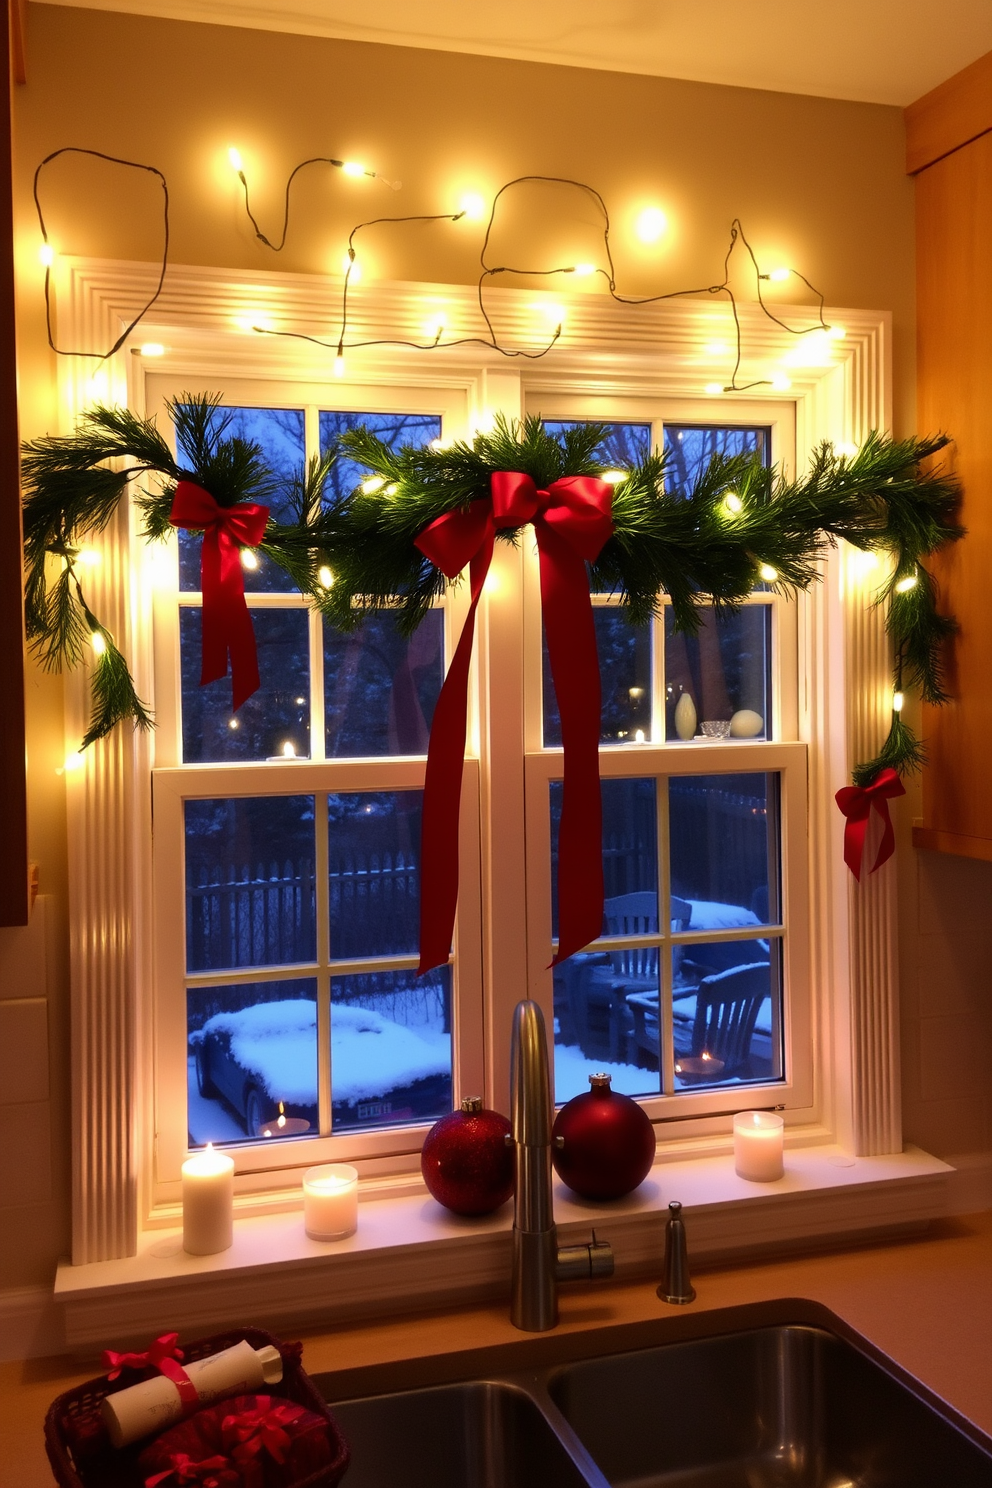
842, 707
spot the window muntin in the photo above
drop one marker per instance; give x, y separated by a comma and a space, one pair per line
459, 1008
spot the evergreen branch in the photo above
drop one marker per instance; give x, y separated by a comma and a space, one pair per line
902, 751
114, 699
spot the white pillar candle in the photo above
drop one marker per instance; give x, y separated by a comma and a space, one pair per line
330, 1201
208, 1202
759, 1139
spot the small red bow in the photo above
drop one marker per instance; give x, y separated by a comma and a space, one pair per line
245, 1435
163, 1349
227, 623
857, 803
572, 522
185, 1469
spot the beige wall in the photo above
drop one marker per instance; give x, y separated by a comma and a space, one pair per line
818, 184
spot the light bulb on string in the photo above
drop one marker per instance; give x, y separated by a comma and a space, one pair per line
249, 560
777, 276
767, 573
324, 576
897, 701
152, 349
836, 332
98, 642
46, 255
88, 558
583, 270
651, 224
473, 206
73, 761
373, 483
235, 161
351, 266
339, 365
713, 389
355, 168
781, 383
732, 504
903, 586
614, 477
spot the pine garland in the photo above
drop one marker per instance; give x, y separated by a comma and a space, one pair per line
709, 545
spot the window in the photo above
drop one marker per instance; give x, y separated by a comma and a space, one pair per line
290, 1024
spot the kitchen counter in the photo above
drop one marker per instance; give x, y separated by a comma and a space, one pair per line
925, 1302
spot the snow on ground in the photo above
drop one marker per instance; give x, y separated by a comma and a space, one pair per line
573, 1068
208, 1120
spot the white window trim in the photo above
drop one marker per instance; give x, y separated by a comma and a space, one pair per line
842, 650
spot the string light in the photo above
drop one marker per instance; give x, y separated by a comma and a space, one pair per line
249, 560
350, 265
372, 484
836, 332
713, 388
651, 224
88, 558
325, 577
778, 276
100, 356
339, 367
781, 383
732, 504
903, 586
236, 163
352, 168
614, 477
98, 642
233, 723
46, 255
847, 450
73, 761
583, 270
767, 574
897, 701
716, 348
472, 206
152, 349
347, 167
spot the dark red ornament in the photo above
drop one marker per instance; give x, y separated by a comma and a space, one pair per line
602, 1143
466, 1161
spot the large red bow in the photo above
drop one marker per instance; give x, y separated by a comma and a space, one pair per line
211, 1472
227, 624
164, 1348
572, 521
857, 802
245, 1435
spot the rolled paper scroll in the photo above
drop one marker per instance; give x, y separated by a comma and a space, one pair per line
156, 1403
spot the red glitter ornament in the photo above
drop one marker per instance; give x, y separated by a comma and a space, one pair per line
466, 1161
603, 1143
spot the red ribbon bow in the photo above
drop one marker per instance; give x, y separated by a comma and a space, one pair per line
163, 1350
227, 624
245, 1435
572, 522
186, 1469
857, 802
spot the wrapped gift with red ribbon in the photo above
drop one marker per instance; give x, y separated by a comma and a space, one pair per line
211, 1472
266, 1441
572, 522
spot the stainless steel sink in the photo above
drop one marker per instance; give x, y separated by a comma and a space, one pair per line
789, 1405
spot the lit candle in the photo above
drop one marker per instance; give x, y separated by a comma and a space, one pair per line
330, 1201
758, 1145
208, 1202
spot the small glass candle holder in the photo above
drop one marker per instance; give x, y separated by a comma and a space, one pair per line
330, 1201
759, 1142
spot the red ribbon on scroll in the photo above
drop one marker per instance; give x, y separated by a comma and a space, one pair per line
163, 1348
227, 626
857, 803
572, 522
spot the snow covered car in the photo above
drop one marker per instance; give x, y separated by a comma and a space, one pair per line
262, 1062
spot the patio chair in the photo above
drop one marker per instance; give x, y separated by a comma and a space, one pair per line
727, 1007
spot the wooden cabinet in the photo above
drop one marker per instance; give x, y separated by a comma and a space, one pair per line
949, 148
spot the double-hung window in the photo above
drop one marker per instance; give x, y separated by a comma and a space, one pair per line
289, 1022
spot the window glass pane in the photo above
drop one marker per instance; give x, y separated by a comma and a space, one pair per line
690, 448
597, 996
625, 672
276, 715
252, 1060
630, 846
381, 687
373, 842
390, 1049
726, 668
394, 429
280, 433
624, 445
727, 1012
249, 882
724, 832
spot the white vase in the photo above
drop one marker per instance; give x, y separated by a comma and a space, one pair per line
685, 717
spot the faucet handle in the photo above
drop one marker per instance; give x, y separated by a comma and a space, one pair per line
584, 1262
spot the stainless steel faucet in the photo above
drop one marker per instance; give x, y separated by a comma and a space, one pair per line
538, 1262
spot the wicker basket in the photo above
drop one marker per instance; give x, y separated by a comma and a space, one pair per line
82, 1457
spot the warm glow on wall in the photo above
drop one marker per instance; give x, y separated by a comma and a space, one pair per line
474, 206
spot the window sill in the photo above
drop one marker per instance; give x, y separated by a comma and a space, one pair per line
409, 1253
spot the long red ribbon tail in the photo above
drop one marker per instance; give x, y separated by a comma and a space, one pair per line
226, 621
443, 785
571, 633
